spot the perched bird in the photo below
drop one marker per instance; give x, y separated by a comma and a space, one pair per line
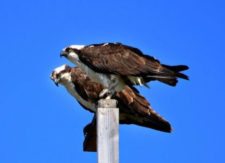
134, 108
115, 65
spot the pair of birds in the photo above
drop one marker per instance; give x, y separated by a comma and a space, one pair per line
110, 70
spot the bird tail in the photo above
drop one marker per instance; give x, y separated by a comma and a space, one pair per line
90, 136
177, 70
169, 75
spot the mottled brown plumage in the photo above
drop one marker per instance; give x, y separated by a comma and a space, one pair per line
127, 61
134, 108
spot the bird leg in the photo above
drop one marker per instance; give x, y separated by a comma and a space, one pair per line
104, 93
109, 92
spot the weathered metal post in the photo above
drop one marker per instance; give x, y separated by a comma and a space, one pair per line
108, 131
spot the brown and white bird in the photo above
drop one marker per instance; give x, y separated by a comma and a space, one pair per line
115, 65
134, 108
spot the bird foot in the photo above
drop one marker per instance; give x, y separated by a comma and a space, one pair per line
105, 93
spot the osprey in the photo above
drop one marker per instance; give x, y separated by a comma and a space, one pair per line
134, 108
115, 65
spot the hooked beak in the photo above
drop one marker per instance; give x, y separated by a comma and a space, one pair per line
55, 80
56, 83
63, 54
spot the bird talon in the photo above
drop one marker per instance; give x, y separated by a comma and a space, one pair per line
103, 93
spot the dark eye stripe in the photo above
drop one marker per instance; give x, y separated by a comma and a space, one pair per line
67, 50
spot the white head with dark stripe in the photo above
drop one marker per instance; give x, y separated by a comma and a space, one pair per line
61, 74
71, 53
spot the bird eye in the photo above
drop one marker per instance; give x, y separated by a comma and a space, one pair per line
68, 50
57, 76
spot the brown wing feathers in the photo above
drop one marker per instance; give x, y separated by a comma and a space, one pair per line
134, 108
125, 60
145, 115
87, 89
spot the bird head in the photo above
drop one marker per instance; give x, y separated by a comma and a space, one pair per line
61, 74
71, 52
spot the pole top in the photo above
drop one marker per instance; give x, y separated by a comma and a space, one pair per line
107, 103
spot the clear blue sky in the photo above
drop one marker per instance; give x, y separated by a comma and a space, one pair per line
40, 123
